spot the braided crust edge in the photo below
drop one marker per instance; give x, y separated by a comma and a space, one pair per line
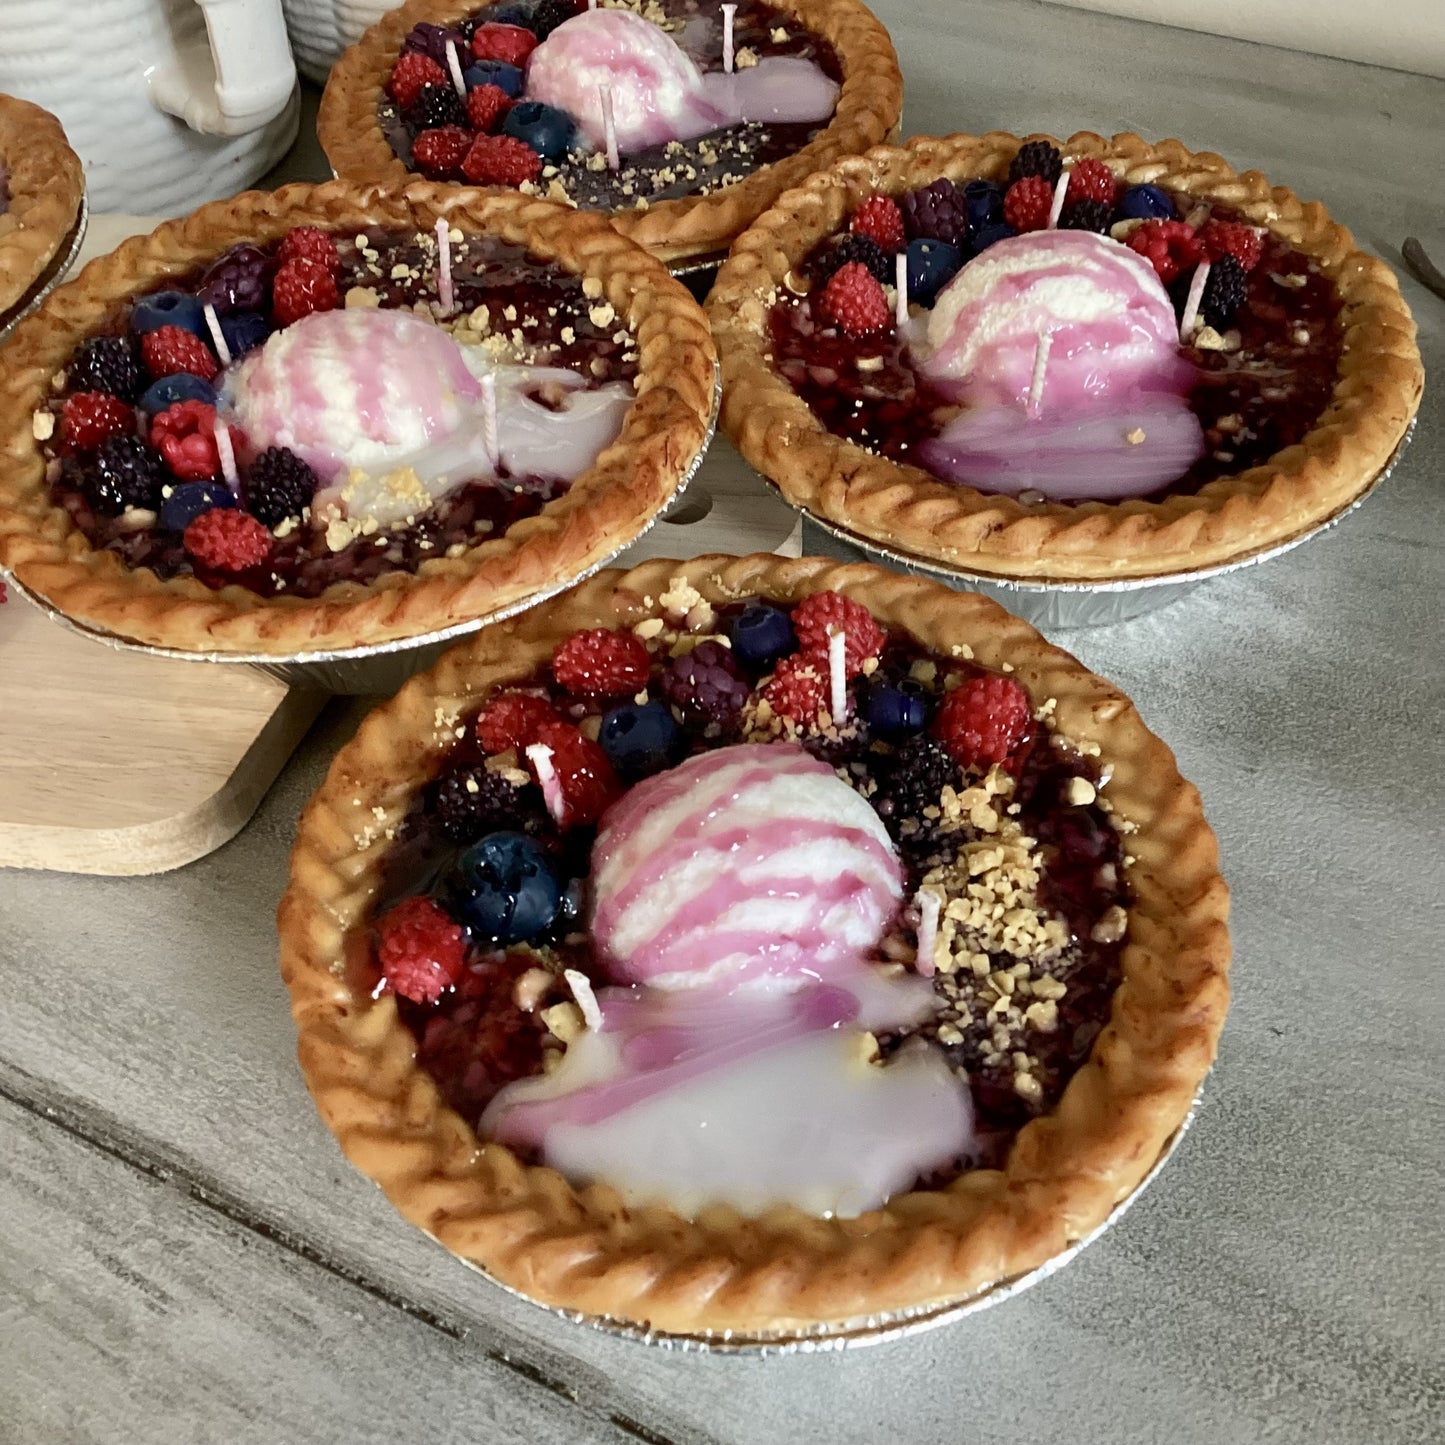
1376, 393
607, 507
582, 1249
46, 184
868, 111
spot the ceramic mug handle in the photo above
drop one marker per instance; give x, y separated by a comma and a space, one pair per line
235, 78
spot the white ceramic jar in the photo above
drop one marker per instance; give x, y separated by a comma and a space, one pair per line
169, 103
322, 29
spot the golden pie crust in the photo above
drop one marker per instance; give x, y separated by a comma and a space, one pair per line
1375, 398
581, 1249
606, 507
867, 113
46, 186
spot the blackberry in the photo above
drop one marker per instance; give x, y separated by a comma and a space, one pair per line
936, 212
549, 15
704, 685
435, 105
1224, 292
1036, 158
1087, 216
238, 281
126, 472
431, 41
855, 247
471, 802
918, 772
108, 364
279, 485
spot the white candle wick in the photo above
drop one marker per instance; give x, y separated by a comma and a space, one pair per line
540, 757
728, 12
226, 454
490, 439
900, 281
838, 673
455, 66
609, 126
581, 987
1056, 206
1041, 361
1188, 321
929, 904
218, 340
444, 265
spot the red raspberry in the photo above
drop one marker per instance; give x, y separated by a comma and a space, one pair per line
589, 785
92, 416
501, 160
1232, 238
185, 435
600, 663
486, 105
880, 219
1027, 203
439, 152
512, 720
227, 540
1090, 180
510, 44
1168, 246
422, 950
169, 350
410, 73
983, 720
301, 287
854, 299
814, 617
799, 689
308, 243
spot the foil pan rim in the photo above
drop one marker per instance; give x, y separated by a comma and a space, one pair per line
52, 275
366, 651
1043, 586
871, 1330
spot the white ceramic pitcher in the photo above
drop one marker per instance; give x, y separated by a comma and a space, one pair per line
168, 102
322, 29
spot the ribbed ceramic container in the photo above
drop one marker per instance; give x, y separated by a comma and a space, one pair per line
321, 29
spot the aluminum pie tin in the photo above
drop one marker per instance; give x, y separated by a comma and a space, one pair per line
380, 667
1060, 605
869, 1330
52, 276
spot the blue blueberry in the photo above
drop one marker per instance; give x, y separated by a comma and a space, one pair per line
1146, 203
507, 15
549, 131
931, 266
189, 499
494, 72
508, 889
244, 331
896, 710
983, 201
640, 739
991, 234
761, 634
171, 389
169, 308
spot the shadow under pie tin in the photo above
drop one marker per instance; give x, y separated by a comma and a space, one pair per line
1064, 605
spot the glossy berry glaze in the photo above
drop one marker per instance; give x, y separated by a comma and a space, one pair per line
675, 169
538, 305
476, 1038
1251, 402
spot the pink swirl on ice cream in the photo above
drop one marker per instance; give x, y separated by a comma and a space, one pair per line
1113, 418
658, 92
747, 863
745, 866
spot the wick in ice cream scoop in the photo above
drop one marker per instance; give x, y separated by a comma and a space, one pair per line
1041, 363
455, 66
728, 12
1056, 206
900, 282
226, 453
218, 340
1190, 318
928, 908
444, 265
609, 126
490, 440
581, 987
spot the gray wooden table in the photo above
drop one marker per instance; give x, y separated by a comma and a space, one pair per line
186, 1258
